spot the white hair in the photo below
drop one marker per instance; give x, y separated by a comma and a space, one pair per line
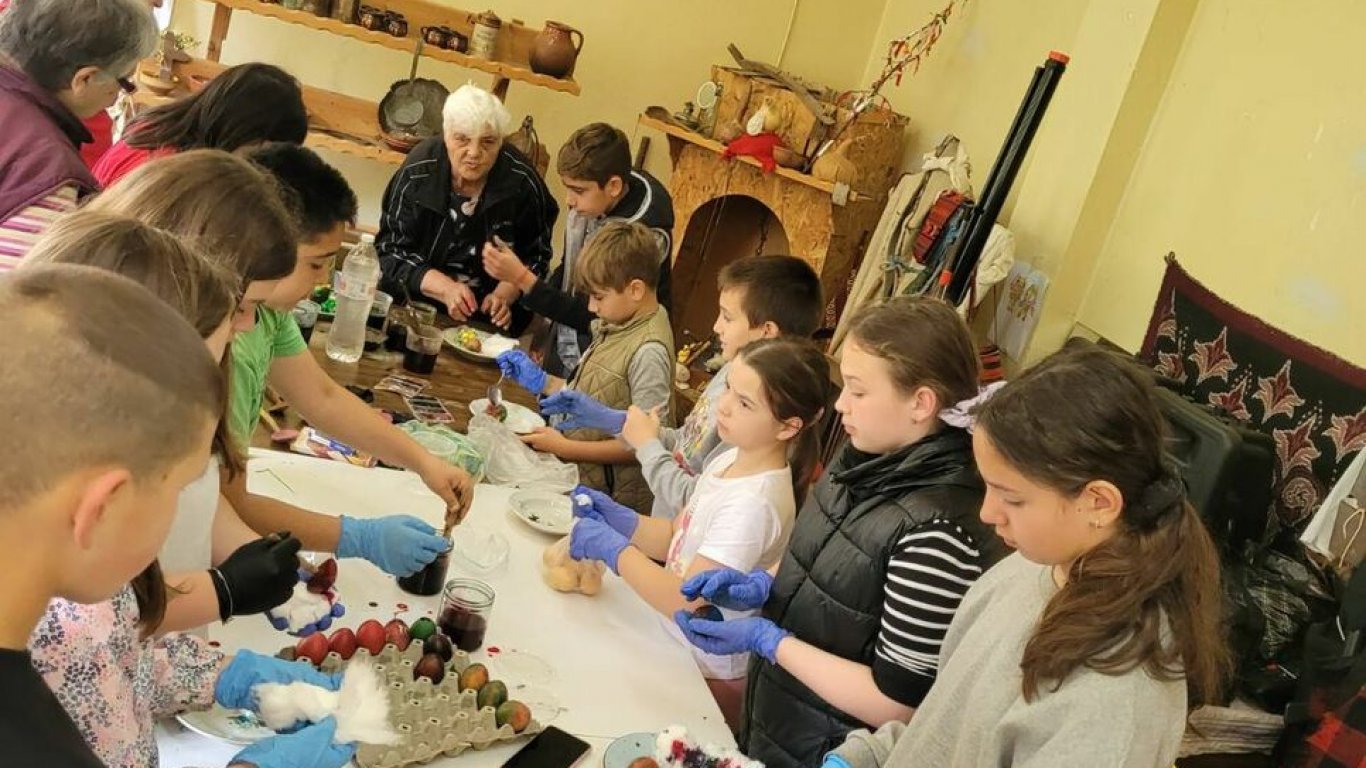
473, 111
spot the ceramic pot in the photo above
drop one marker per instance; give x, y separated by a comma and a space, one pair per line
373, 18
484, 39
457, 42
437, 36
556, 51
345, 10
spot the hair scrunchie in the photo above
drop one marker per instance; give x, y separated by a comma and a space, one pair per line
960, 415
1162, 495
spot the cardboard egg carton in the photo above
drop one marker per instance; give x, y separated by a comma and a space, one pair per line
433, 720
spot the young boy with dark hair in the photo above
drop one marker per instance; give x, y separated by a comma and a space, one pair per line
105, 424
762, 297
630, 361
274, 352
595, 168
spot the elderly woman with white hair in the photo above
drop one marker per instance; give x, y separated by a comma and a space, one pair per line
454, 194
61, 61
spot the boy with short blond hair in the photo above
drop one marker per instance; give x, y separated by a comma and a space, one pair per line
601, 186
630, 361
761, 297
104, 423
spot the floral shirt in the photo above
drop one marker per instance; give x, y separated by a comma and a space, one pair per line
113, 683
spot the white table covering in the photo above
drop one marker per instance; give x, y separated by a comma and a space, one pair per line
607, 659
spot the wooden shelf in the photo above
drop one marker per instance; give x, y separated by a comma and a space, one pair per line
513, 48
338, 122
677, 132
354, 147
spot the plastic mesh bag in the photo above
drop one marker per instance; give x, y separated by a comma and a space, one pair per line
508, 461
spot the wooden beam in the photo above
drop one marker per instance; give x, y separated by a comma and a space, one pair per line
500, 88
222, 16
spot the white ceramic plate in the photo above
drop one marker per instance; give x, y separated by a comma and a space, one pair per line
521, 419
628, 748
545, 511
235, 726
491, 344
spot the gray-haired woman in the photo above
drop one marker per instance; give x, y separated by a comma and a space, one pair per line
60, 61
455, 194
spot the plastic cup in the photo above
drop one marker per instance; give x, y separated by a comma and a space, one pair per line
424, 344
424, 313
379, 310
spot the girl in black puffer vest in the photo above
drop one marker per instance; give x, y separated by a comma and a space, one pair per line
883, 551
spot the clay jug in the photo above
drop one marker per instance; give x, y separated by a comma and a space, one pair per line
835, 166
529, 143
555, 52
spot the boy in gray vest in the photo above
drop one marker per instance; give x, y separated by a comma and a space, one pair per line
630, 361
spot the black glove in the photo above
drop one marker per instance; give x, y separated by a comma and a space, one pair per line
258, 576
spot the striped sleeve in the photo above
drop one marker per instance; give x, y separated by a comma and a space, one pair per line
20, 232
928, 574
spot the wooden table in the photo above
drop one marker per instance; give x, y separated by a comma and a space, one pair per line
456, 381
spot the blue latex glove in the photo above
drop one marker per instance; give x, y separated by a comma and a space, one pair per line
729, 588
321, 625
516, 365
583, 411
309, 747
595, 540
722, 638
600, 506
248, 670
833, 760
400, 545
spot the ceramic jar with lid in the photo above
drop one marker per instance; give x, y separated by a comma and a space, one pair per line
484, 39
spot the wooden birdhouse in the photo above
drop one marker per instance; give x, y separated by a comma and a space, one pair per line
727, 209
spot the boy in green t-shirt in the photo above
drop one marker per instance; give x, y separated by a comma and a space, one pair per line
274, 352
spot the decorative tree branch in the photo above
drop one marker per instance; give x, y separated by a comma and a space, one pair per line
904, 52
910, 51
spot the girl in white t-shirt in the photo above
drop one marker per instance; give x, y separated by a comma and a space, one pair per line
741, 510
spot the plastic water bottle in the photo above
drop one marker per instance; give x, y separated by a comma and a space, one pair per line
355, 291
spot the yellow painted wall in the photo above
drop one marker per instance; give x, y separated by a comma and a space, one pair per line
1230, 131
973, 80
1254, 172
636, 53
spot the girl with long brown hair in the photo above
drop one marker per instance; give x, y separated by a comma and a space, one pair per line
740, 513
244, 106
886, 545
1090, 644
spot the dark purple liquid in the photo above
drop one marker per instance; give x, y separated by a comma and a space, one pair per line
464, 627
429, 580
396, 339
376, 320
419, 362
307, 332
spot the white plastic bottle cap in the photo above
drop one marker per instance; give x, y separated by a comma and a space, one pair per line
367, 238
